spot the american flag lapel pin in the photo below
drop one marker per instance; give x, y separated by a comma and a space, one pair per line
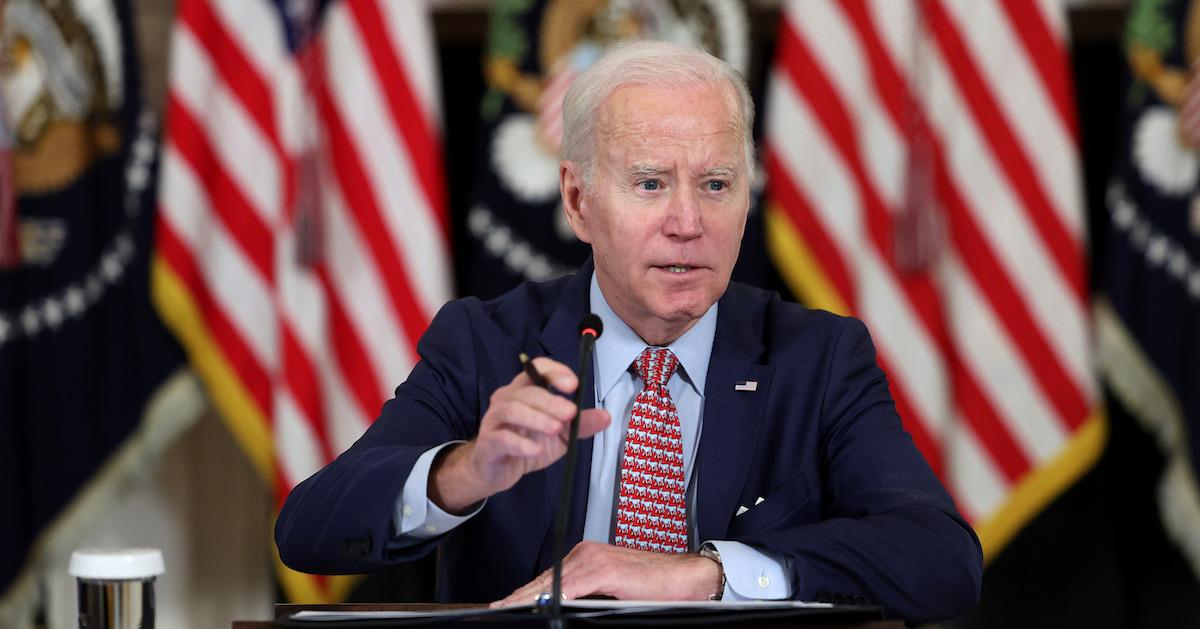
747, 385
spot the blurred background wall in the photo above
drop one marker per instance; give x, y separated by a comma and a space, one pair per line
179, 473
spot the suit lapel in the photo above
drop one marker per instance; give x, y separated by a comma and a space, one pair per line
732, 418
560, 341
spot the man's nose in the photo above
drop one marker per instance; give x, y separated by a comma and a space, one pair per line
683, 215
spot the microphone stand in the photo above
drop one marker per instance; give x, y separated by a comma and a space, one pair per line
586, 343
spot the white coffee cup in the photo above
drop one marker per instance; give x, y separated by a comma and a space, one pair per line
116, 586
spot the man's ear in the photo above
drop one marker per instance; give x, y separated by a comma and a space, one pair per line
570, 186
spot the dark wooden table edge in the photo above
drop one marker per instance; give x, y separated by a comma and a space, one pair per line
811, 622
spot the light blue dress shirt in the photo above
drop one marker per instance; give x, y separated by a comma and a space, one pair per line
749, 573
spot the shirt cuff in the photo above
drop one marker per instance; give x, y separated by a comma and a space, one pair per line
417, 518
751, 574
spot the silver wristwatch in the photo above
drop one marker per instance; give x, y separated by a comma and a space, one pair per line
711, 553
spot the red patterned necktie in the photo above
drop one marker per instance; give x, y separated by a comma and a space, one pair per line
651, 511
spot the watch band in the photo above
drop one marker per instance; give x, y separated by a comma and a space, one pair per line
710, 552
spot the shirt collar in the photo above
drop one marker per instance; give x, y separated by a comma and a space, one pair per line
619, 346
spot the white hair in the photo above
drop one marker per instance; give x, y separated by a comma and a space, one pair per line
645, 63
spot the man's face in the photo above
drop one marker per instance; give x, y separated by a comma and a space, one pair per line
667, 204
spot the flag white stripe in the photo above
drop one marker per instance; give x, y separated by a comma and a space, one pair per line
257, 29
295, 111
305, 306
1027, 108
1055, 18
1003, 377
410, 32
182, 199
1005, 225
818, 171
295, 436
301, 299
790, 117
916, 365
231, 135
833, 45
978, 487
259, 33
245, 302
344, 419
363, 295
896, 25
388, 165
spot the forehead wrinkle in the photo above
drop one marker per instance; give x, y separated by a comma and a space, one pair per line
722, 170
622, 132
645, 129
644, 169
612, 124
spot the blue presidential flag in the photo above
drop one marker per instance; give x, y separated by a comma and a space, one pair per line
1148, 320
82, 354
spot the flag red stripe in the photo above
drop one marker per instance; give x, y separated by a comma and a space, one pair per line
243, 79
304, 384
810, 78
918, 289
890, 88
423, 148
974, 249
782, 189
351, 355
368, 216
1048, 56
1057, 239
978, 412
225, 196
236, 351
798, 210
992, 430
1006, 301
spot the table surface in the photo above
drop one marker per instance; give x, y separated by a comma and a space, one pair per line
767, 623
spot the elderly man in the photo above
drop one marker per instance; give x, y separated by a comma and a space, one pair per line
740, 446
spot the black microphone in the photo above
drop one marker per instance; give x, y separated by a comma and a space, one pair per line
590, 328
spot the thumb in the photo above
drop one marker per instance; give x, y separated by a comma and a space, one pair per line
592, 421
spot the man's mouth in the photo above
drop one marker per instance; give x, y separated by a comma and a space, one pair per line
677, 268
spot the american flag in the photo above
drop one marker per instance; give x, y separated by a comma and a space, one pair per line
924, 176
302, 239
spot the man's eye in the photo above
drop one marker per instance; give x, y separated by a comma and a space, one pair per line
716, 185
650, 184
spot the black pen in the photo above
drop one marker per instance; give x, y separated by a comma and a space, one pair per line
532, 371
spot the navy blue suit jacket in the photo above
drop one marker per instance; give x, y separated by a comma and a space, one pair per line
849, 501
